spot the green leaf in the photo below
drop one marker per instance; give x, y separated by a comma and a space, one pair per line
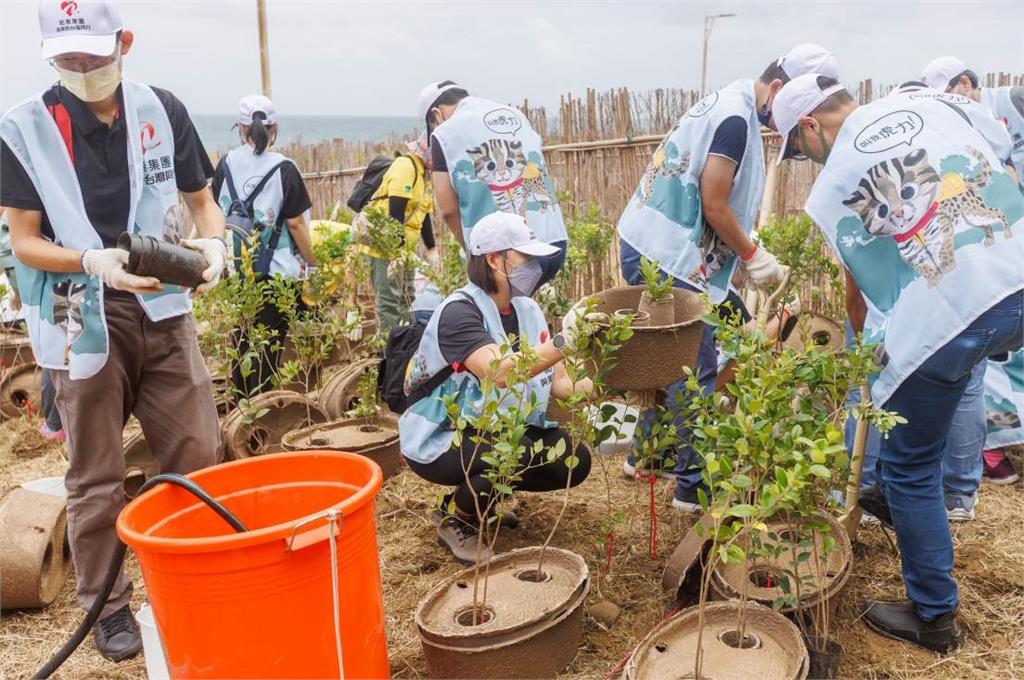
820, 471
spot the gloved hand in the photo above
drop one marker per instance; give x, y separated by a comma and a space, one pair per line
108, 264
572, 329
763, 269
353, 320
216, 254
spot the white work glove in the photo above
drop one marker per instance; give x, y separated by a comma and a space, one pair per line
108, 264
354, 321
763, 269
571, 326
216, 254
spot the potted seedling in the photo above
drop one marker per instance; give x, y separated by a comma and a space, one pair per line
657, 299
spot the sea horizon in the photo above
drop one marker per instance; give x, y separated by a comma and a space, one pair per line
218, 134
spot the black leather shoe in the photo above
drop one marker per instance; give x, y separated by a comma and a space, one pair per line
117, 637
899, 621
873, 500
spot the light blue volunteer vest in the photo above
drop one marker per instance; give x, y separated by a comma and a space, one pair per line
64, 312
496, 164
424, 429
920, 211
664, 220
999, 100
1004, 401
247, 169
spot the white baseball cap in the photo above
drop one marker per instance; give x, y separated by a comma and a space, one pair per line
251, 103
798, 98
87, 26
429, 95
939, 72
809, 58
506, 231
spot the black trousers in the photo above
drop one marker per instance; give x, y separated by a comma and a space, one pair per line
264, 365
456, 464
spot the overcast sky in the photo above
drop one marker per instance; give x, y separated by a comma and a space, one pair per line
365, 58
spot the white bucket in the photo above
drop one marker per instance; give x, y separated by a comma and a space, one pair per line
51, 486
152, 647
623, 440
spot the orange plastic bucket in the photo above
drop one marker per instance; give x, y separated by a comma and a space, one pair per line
260, 604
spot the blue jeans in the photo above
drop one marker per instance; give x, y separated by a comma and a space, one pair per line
687, 462
961, 457
910, 466
551, 264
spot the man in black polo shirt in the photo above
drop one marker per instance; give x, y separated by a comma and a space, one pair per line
92, 157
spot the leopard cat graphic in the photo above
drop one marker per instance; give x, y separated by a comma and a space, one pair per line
660, 167
905, 198
513, 181
67, 310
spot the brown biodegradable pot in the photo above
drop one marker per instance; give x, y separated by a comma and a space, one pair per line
286, 411
639, 318
21, 391
533, 628
655, 355
815, 329
771, 649
661, 313
761, 581
35, 560
376, 438
15, 348
340, 390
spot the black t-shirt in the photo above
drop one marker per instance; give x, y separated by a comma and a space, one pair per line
461, 330
101, 163
730, 140
296, 197
438, 163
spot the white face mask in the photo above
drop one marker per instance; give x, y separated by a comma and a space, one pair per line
94, 85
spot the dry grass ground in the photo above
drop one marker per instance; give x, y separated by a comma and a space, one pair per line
990, 570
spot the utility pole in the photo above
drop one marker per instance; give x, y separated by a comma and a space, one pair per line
261, 19
709, 22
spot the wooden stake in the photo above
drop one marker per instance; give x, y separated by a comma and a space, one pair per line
261, 20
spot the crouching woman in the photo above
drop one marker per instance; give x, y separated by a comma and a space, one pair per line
458, 350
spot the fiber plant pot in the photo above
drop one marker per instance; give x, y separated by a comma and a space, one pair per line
761, 578
817, 330
639, 318
655, 355
15, 348
771, 647
376, 438
285, 411
660, 312
21, 391
339, 393
533, 626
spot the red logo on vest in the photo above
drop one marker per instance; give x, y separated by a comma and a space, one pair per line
69, 7
148, 134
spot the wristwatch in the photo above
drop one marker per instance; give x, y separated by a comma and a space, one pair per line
558, 340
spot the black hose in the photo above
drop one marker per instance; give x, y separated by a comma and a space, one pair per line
114, 570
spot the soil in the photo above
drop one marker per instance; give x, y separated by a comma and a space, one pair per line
989, 568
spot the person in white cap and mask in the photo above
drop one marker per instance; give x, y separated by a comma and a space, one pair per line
915, 202
458, 350
90, 158
693, 212
949, 74
485, 158
252, 181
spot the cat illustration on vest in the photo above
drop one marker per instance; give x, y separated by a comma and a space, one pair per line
172, 224
67, 312
1000, 414
713, 253
512, 179
906, 199
660, 167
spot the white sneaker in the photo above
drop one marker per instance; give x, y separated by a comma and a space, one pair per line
959, 513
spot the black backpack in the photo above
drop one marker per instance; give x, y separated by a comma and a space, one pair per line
241, 222
371, 180
403, 343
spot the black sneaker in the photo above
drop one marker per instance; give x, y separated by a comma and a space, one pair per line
117, 637
899, 621
873, 501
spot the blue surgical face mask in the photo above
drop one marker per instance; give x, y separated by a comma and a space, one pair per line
523, 279
764, 115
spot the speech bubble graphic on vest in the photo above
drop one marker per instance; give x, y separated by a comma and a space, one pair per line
503, 121
703, 106
889, 131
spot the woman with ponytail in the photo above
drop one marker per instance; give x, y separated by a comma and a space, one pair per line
264, 187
